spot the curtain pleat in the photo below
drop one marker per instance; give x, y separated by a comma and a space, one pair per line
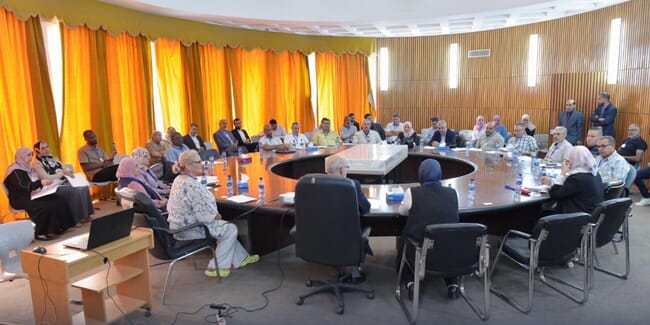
194, 103
171, 86
216, 88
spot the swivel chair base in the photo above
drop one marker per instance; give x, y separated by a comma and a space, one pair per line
336, 286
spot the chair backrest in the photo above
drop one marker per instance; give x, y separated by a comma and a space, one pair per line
328, 228
560, 235
542, 141
256, 138
147, 215
614, 190
309, 135
14, 237
631, 175
455, 249
205, 155
158, 169
118, 158
608, 218
465, 135
208, 145
126, 196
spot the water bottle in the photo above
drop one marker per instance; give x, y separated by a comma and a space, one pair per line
211, 166
293, 142
338, 142
471, 190
260, 190
467, 145
518, 183
206, 168
515, 158
229, 187
421, 146
302, 143
224, 159
240, 151
543, 171
204, 180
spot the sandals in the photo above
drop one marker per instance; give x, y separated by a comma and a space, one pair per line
212, 273
250, 259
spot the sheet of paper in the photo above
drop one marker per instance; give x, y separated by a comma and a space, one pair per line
242, 198
376, 204
212, 179
77, 180
45, 190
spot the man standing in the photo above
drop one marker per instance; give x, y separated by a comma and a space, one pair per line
157, 148
192, 139
347, 130
572, 121
605, 114
593, 134
366, 135
295, 138
610, 165
490, 140
393, 129
325, 137
225, 140
176, 148
354, 121
634, 146
271, 142
560, 147
443, 136
94, 160
522, 142
375, 126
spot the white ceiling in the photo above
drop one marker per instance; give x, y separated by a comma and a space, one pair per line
370, 18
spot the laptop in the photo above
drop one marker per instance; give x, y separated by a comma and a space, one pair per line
105, 230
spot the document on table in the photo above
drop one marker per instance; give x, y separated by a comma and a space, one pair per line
242, 198
45, 190
77, 180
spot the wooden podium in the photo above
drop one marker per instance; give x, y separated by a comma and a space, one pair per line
128, 273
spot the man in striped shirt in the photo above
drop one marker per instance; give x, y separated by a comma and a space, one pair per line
610, 165
522, 142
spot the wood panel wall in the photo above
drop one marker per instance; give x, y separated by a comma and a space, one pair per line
572, 64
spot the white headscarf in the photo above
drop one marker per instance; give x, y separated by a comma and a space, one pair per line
582, 161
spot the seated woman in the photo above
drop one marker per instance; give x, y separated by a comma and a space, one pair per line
189, 203
576, 189
47, 213
529, 127
143, 156
77, 198
479, 129
408, 136
128, 175
418, 204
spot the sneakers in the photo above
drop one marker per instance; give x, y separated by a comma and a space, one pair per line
212, 273
643, 202
250, 259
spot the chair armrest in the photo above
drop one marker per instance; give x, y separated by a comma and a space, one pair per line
292, 231
414, 242
365, 232
186, 228
518, 234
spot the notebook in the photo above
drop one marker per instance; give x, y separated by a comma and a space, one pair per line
105, 230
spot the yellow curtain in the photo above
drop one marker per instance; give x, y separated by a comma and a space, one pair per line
171, 86
267, 85
191, 59
216, 88
86, 101
25, 91
343, 86
129, 85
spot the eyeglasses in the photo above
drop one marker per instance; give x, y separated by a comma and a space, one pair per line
632, 130
195, 162
603, 145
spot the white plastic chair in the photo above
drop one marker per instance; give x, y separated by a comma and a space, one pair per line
14, 237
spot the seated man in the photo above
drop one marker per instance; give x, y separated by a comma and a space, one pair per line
366, 135
242, 136
192, 139
270, 142
295, 138
490, 140
348, 130
376, 126
641, 176
593, 134
610, 165
96, 164
278, 130
170, 132
326, 137
431, 130
157, 148
443, 136
176, 148
394, 128
634, 146
354, 122
558, 151
225, 140
522, 142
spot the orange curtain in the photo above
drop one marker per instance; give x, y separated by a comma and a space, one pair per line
171, 86
191, 59
216, 88
25, 91
343, 86
86, 100
128, 62
267, 85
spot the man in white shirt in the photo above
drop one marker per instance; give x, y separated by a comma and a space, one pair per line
270, 142
428, 135
295, 138
490, 140
278, 130
393, 129
366, 135
347, 130
560, 147
610, 165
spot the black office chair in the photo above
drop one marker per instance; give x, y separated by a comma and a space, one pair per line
554, 241
614, 190
448, 250
166, 247
328, 232
205, 155
606, 220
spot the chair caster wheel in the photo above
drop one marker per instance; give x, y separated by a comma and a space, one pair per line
370, 295
147, 313
340, 310
299, 301
308, 283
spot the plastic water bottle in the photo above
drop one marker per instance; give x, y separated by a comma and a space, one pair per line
543, 173
229, 187
211, 166
518, 182
224, 159
467, 145
338, 142
421, 145
471, 190
206, 168
260, 190
515, 158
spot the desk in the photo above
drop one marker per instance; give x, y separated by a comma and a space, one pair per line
129, 273
493, 206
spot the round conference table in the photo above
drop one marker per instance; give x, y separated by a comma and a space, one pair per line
268, 224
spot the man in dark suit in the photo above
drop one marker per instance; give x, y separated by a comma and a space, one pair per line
572, 121
443, 136
605, 114
376, 127
242, 136
192, 139
354, 121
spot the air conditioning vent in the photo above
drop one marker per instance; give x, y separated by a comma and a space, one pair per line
478, 53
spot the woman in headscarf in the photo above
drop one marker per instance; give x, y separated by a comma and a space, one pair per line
576, 189
418, 204
48, 167
408, 136
528, 125
128, 173
143, 156
189, 203
479, 128
49, 216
